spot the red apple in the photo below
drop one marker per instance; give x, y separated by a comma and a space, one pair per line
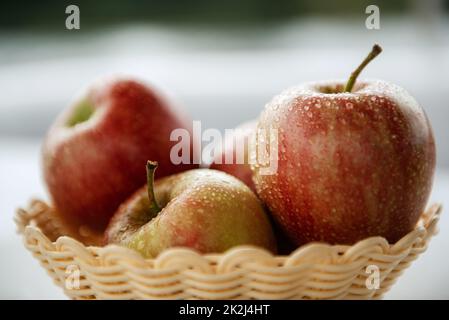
206, 210
94, 154
353, 162
238, 169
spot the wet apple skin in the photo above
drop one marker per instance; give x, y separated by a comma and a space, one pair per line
351, 165
202, 209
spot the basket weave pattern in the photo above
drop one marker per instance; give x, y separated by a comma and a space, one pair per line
314, 271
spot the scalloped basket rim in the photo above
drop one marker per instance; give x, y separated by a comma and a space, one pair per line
338, 251
329, 271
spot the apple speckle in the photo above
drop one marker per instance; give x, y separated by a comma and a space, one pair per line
357, 155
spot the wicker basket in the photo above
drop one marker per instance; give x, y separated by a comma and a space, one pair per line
314, 271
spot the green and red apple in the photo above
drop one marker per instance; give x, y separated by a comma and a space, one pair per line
355, 160
206, 210
94, 155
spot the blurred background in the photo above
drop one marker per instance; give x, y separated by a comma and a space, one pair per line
222, 61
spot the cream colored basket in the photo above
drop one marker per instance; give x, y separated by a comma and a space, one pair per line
314, 271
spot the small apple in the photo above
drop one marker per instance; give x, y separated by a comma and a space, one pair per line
94, 154
207, 210
354, 161
237, 168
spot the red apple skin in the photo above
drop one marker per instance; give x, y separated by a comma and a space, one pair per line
92, 167
241, 171
351, 165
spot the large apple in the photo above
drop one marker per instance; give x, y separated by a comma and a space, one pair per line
94, 154
206, 210
239, 166
354, 161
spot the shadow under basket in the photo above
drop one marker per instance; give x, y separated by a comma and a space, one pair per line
313, 271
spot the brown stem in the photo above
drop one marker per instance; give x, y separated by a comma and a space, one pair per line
351, 81
151, 168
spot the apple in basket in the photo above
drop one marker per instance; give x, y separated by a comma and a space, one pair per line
354, 160
94, 154
207, 210
234, 156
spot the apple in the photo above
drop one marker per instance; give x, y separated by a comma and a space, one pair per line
354, 160
239, 169
203, 209
95, 152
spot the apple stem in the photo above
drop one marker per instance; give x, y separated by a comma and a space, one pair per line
351, 81
151, 168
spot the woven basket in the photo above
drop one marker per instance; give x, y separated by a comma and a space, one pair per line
314, 271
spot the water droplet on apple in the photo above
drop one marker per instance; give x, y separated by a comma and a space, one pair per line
283, 149
140, 245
